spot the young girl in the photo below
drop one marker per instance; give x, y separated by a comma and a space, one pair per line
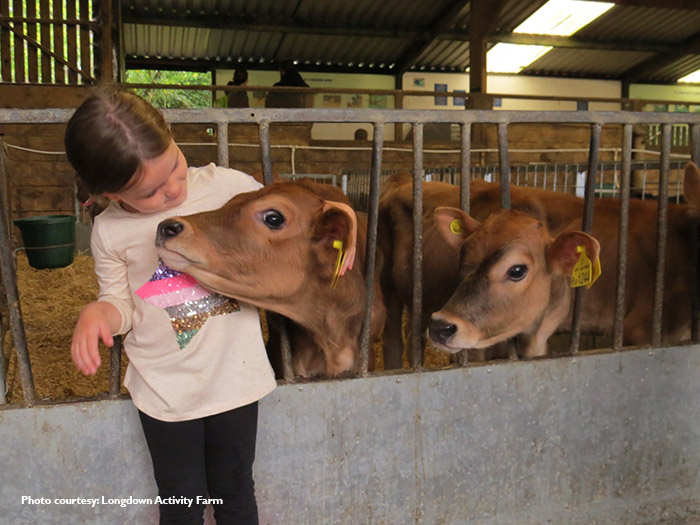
198, 368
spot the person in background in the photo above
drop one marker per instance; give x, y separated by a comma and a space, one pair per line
290, 77
197, 361
238, 99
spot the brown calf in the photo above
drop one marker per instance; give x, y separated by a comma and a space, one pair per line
273, 248
559, 212
514, 281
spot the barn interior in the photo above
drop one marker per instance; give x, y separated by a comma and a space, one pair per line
624, 57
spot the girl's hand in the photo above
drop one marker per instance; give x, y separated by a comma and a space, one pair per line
95, 323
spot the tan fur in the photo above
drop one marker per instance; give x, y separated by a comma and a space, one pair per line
289, 271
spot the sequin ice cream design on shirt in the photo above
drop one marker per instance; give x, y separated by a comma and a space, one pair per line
188, 304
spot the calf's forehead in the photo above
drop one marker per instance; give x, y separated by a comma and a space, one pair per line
503, 230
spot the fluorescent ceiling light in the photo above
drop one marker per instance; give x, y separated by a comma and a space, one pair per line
692, 78
512, 58
562, 17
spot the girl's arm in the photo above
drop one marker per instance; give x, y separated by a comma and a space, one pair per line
97, 321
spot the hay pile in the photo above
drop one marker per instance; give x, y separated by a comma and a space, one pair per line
51, 301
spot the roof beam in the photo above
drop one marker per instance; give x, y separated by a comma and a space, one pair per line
484, 15
434, 27
648, 67
578, 43
269, 26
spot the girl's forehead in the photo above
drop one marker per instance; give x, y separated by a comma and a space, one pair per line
151, 171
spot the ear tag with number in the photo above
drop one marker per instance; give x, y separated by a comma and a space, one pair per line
456, 227
338, 245
585, 272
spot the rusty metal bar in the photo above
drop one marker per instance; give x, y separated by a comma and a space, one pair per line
286, 348
504, 165
370, 260
465, 197
623, 229
222, 144
587, 223
115, 366
466, 158
264, 131
416, 355
9, 282
694, 248
661, 232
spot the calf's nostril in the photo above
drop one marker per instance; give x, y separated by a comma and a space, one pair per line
170, 228
441, 331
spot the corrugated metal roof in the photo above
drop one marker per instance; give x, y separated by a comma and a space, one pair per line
586, 62
418, 34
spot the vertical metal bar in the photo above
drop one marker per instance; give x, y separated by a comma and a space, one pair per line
9, 281
466, 158
626, 175
222, 144
503, 165
465, 197
115, 366
264, 131
661, 231
286, 349
695, 252
377, 145
416, 356
587, 223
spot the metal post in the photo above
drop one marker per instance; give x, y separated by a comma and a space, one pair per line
372, 220
694, 250
416, 355
9, 281
465, 196
264, 130
504, 165
661, 230
222, 144
115, 367
618, 327
586, 225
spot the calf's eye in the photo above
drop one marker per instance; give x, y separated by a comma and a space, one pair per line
273, 219
517, 272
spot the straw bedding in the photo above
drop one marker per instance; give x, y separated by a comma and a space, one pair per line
51, 301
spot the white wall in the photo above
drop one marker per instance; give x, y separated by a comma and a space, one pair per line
513, 85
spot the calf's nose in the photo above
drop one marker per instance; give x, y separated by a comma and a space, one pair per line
168, 229
440, 330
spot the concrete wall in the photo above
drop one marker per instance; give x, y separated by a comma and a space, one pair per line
606, 438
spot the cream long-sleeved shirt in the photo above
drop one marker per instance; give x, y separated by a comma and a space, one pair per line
224, 366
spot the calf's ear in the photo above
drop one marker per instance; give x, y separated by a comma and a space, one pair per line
454, 225
338, 222
563, 253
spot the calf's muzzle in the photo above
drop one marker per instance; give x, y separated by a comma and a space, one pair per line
168, 229
441, 331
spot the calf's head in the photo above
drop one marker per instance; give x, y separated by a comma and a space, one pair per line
264, 247
512, 278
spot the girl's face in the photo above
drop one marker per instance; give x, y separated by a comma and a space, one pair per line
159, 184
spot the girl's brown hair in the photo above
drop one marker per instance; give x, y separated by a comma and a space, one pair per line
110, 134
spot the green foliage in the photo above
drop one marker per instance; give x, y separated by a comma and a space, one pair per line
172, 98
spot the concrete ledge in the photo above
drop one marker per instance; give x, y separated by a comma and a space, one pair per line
606, 438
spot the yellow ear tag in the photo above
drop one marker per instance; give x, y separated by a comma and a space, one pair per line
456, 227
585, 272
338, 245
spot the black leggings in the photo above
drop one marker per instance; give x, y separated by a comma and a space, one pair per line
210, 457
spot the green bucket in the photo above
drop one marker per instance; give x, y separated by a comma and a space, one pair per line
49, 240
